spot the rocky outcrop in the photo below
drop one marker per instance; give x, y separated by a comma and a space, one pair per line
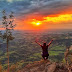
45, 66
40, 66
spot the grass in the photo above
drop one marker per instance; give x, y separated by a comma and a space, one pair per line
58, 48
10, 53
53, 53
1, 52
37, 55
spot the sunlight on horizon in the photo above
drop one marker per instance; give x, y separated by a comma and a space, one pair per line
36, 22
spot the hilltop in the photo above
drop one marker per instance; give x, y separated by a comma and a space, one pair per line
44, 66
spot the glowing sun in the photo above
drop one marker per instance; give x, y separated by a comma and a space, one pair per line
36, 23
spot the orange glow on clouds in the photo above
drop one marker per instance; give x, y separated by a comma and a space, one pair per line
44, 22
36, 22
58, 19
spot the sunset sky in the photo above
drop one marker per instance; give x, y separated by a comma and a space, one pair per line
39, 14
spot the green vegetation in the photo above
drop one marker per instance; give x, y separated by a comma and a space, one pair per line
53, 53
23, 50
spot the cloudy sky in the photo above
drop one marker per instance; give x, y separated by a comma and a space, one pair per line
39, 14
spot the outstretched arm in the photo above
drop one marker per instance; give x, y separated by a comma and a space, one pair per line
50, 42
38, 43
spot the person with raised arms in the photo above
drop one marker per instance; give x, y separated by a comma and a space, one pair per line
45, 47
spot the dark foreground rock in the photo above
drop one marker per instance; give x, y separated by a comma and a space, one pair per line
44, 66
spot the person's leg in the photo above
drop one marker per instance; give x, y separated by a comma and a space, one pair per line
42, 56
47, 56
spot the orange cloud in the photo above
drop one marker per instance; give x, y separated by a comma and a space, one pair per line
44, 22
60, 18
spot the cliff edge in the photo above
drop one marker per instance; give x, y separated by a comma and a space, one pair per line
44, 66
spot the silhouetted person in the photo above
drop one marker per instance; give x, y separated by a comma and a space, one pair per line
44, 47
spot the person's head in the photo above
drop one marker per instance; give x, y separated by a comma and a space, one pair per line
44, 44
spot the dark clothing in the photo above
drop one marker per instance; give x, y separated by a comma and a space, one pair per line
45, 56
45, 51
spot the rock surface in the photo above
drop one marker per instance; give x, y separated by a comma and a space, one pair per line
45, 66
40, 66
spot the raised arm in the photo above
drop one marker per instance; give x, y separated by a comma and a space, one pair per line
38, 43
50, 42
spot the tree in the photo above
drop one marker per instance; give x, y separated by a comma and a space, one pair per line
8, 25
0, 68
0, 38
0, 33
